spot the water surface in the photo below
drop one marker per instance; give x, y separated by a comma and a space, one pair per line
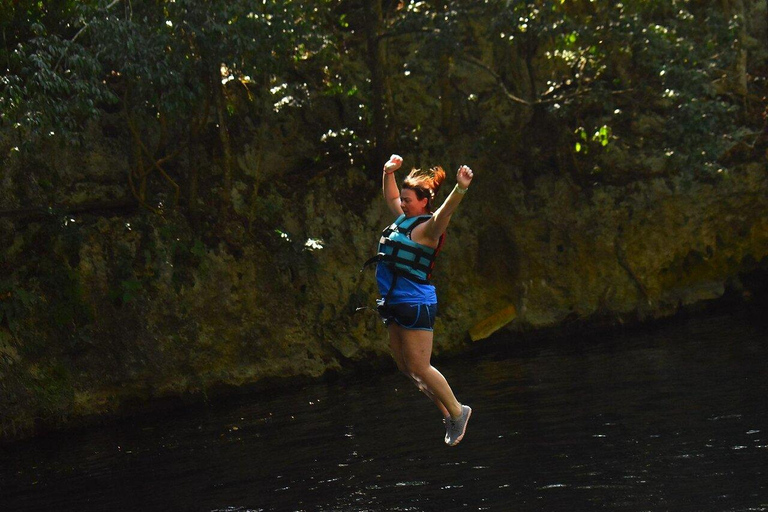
674, 418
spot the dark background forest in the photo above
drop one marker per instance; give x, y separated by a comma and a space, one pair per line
188, 189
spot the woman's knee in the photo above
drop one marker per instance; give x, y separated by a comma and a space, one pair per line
417, 372
400, 366
407, 369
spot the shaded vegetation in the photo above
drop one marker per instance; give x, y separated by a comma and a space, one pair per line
185, 73
149, 147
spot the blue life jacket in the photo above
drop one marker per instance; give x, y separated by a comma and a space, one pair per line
404, 256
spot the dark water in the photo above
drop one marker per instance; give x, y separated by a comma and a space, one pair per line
674, 419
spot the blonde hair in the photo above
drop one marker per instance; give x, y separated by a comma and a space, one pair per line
425, 183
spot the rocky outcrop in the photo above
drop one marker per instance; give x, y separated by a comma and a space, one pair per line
149, 309
628, 253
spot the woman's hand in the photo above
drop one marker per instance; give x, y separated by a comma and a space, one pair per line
393, 164
464, 176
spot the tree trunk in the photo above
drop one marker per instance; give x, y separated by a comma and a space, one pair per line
226, 146
735, 8
194, 177
446, 97
375, 61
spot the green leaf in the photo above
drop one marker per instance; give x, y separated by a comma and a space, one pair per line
198, 249
131, 288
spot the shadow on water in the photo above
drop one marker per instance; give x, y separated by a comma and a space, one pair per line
668, 418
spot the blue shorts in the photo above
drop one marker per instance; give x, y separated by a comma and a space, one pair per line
409, 316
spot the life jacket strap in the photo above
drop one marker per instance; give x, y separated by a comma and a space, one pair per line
372, 260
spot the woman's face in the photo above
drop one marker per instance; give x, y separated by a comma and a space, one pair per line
411, 204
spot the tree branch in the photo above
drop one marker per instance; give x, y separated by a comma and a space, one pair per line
155, 162
390, 34
43, 211
85, 26
482, 65
520, 101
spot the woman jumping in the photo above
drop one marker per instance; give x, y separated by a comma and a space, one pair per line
408, 303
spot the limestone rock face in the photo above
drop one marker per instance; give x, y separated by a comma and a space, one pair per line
642, 254
120, 310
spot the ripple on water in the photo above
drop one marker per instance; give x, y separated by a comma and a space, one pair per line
416, 483
237, 509
552, 486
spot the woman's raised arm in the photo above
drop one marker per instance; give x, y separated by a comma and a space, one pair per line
437, 225
389, 185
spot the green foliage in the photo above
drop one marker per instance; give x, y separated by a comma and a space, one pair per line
681, 57
599, 139
600, 61
15, 305
66, 61
169, 67
42, 292
52, 84
129, 290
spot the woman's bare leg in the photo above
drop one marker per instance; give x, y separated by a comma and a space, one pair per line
396, 344
414, 349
